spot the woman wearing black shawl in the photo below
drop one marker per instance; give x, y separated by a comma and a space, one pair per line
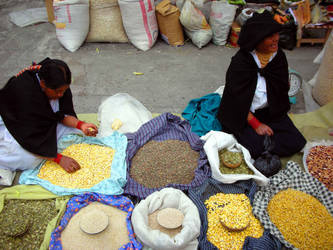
255, 100
36, 109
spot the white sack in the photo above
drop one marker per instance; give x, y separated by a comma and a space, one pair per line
195, 24
124, 107
72, 22
221, 17
215, 141
27, 17
139, 21
154, 239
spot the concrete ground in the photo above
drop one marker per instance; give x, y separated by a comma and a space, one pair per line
171, 76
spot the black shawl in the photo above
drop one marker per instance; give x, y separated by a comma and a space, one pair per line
241, 82
28, 115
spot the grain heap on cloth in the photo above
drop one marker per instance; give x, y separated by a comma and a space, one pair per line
116, 233
291, 204
158, 164
302, 219
23, 223
113, 236
95, 162
162, 130
230, 221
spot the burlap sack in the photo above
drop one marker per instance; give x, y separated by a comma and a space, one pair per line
322, 92
168, 22
106, 24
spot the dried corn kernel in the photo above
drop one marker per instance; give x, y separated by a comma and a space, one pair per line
95, 162
302, 219
235, 211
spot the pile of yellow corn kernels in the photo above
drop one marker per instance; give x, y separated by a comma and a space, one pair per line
302, 219
230, 221
95, 162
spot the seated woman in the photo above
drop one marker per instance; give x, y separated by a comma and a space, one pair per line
255, 100
36, 109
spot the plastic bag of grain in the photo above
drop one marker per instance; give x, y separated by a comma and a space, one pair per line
143, 221
72, 22
216, 141
195, 24
139, 22
106, 24
221, 17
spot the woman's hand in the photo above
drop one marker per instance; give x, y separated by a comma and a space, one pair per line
263, 129
69, 164
89, 129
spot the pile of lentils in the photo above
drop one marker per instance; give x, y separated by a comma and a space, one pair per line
23, 223
242, 169
159, 163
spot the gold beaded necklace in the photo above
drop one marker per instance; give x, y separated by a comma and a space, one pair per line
263, 58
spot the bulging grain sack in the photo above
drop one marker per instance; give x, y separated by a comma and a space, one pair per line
221, 16
195, 24
106, 24
169, 24
72, 22
322, 92
139, 22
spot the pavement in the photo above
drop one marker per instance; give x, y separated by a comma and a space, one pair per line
171, 76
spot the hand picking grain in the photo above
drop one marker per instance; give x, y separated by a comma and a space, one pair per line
95, 162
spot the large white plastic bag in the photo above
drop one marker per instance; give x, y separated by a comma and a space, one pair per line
72, 22
154, 239
215, 141
124, 107
221, 17
139, 21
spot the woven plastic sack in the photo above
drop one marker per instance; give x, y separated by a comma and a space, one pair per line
139, 22
155, 239
132, 113
215, 141
221, 17
211, 187
290, 177
110, 186
106, 24
322, 91
195, 24
72, 22
165, 127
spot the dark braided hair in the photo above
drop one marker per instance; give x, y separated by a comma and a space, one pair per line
55, 73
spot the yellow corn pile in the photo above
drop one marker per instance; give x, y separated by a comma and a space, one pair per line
230, 221
95, 162
302, 219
